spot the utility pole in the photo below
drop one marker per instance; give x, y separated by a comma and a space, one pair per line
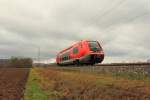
39, 54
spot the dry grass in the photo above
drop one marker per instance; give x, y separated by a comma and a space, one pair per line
76, 85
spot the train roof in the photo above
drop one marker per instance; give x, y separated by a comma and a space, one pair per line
74, 45
71, 46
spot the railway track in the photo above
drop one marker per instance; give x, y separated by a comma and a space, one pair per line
124, 64
137, 65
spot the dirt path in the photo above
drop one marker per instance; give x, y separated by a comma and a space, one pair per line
12, 83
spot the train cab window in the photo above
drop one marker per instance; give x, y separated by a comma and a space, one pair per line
94, 46
75, 50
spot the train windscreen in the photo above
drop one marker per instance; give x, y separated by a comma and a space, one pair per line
94, 46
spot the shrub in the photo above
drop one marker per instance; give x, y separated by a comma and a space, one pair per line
20, 62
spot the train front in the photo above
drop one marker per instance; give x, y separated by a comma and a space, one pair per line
96, 52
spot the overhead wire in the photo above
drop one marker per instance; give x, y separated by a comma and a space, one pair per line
106, 12
125, 20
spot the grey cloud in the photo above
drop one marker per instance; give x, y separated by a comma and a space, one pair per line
123, 30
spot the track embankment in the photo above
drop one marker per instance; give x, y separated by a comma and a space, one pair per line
133, 68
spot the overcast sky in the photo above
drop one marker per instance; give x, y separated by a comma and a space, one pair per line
121, 26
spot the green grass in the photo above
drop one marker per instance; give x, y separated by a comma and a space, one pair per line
33, 90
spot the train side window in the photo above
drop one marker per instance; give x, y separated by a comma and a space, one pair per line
75, 50
65, 56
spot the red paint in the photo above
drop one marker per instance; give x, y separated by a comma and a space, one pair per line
83, 50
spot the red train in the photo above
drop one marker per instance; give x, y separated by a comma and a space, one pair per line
83, 52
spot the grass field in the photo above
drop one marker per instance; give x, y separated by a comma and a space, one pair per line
56, 84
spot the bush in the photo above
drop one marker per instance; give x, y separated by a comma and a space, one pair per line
21, 62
